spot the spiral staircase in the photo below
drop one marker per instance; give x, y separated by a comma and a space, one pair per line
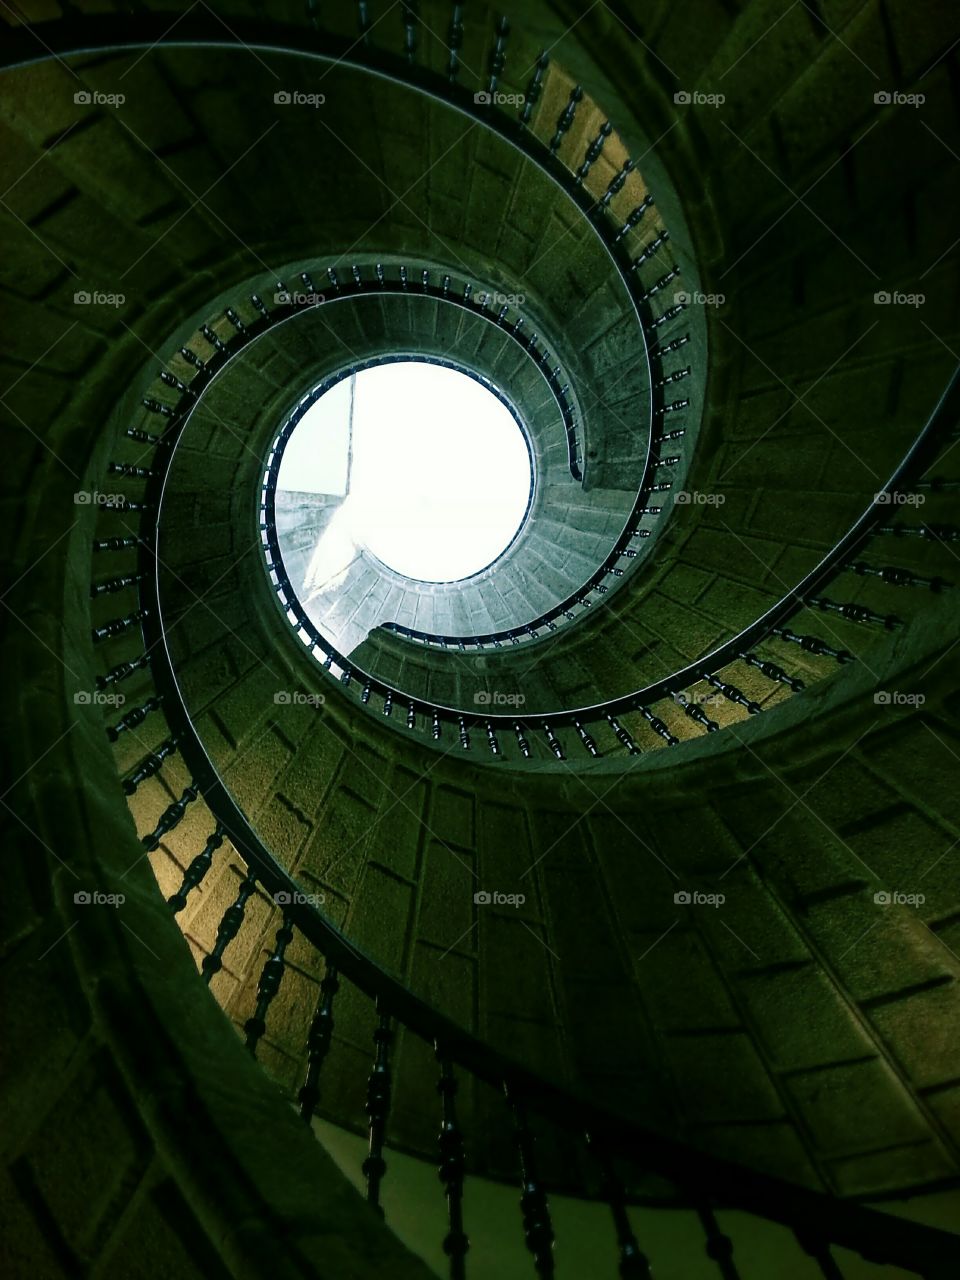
619, 879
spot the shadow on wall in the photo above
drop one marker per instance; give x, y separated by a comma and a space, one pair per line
586, 1243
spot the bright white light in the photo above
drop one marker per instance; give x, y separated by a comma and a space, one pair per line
436, 471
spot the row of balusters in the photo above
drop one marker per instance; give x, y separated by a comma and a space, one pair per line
534, 1203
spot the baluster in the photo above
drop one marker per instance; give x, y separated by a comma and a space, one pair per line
258, 305
553, 741
658, 726
933, 532
155, 406
409, 17
451, 1170
135, 716
855, 612
616, 184
381, 278
197, 869
634, 1264
143, 437
454, 43
377, 1108
133, 472
650, 250
464, 735
363, 24
897, 577
122, 671
673, 377
445, 288
671, 313
333, 279
436, 725
813, 644
115, 544
635, 217
772, 671
566, 117
388, 703
365, 692
228, 928
191, 357
534, 89
498, 55
235, 320
110, 585
522, 742
171, 816
411, 716
492, 739
623, 736
467, 290
319, 1040
126, 505
696, 713
346, 675
149, 765
270, 978
733, 694
586, 739
593, 152
214, 339
719, 1247
403, 277
171, 380
537, 1229
424, 280
673, 345
661, 284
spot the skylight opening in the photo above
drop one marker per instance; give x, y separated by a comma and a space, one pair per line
421, 465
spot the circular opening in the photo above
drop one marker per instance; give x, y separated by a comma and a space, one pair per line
427, 467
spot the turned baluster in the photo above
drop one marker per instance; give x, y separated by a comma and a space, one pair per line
134, 717
733, 694
623, 737
171, 817
149, 765
377, 1109
658, 726
228, 928
319, 1040
197, 869
537, 1228
451, 1170
270, 978
534, 89
566, 117
772, 671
